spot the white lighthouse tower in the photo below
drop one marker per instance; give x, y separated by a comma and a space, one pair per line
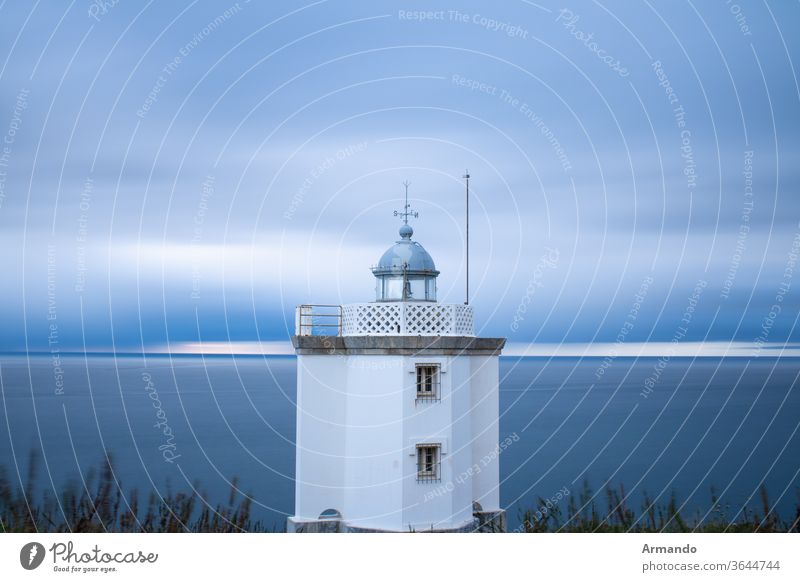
397, 408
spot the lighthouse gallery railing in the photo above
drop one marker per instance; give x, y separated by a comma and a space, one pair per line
385, 319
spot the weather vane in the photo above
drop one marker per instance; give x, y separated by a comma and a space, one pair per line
406, 212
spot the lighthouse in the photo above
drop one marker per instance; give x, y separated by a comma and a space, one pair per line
397, 408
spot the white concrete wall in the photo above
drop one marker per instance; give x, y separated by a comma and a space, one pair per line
321, 434
485, 430
430, 505
462, 438
374, 482
358, 424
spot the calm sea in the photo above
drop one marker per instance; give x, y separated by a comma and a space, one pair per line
728, 423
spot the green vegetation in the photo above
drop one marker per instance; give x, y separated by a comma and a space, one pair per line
609, 512
98, 505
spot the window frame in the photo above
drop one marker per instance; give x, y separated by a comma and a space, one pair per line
429, 476
434, 381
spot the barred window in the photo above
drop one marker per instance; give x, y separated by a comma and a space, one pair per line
428, 455
428, 381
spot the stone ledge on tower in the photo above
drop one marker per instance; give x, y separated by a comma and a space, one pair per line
397, 345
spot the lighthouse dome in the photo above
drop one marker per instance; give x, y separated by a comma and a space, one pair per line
406, 272
405, 253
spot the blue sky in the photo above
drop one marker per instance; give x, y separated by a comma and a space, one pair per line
182, 172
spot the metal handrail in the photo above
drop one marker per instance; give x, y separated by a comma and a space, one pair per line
305, 316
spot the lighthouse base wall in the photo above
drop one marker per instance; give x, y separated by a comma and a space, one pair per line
295, 525
483, 522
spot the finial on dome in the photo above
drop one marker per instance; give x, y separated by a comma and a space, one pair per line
406, 231
406, 212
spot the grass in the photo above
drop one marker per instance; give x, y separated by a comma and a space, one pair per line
99, 505
608, 512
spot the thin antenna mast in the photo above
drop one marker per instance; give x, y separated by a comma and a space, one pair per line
404, 215
466, 177
405, 208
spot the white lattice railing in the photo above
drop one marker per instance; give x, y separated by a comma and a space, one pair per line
407, 318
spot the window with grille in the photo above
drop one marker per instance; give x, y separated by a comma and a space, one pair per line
428, 462
428, 381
